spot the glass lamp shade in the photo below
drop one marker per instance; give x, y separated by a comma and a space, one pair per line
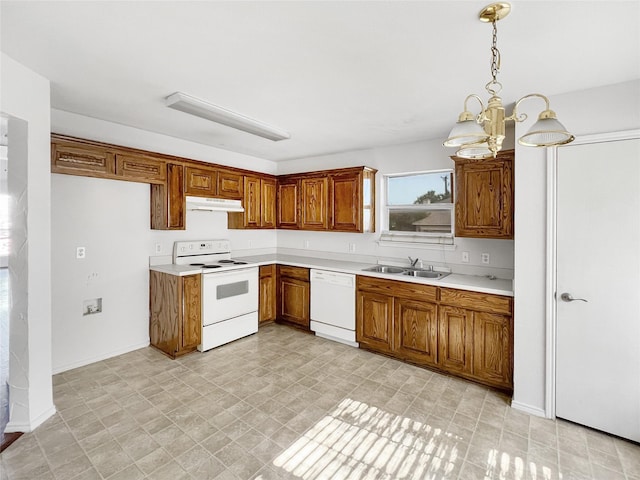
546, 132
477, 151
466, 132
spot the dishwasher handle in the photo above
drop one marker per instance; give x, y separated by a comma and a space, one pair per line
333, 278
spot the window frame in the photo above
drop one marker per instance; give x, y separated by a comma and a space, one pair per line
428, 238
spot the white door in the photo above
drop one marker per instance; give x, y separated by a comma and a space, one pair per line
598, 260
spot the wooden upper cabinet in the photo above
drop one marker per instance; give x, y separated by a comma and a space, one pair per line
314, 200
484, 197
259, 201
230, 184
287, 203
352, 201
268, 202
140, 168
201, 182
252, 198
341, 200
168, 200
74, 158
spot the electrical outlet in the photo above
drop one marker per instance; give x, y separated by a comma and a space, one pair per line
486, 258
352, 247
465, 257
81, 252
158, 248
306, 244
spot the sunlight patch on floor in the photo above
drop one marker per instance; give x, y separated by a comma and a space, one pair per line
358, 441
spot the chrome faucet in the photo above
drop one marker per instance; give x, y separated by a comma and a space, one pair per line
413, 261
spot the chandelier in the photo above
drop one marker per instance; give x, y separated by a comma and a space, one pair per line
480, 136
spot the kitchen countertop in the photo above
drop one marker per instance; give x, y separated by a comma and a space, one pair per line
463, 282
472, 283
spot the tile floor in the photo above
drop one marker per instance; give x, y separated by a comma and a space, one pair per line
284, 404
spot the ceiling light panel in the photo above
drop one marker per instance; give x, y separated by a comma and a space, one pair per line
195, 106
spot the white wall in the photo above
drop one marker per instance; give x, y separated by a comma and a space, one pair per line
111, 220
25, 96
605, 109
412, 157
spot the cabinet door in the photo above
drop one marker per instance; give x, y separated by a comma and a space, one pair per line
230, 185
493, 346
268, 203
374, 320
165, 300
200, 182
139, 168
287, 204
80, 159
455, 339
267, 310
484, 197
167, 201
416, 331
346, 202
191, 315
294, 301
252, 197
314, 203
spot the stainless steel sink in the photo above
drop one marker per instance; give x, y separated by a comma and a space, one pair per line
384, 269
425, 274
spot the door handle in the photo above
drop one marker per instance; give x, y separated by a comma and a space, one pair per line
566, 297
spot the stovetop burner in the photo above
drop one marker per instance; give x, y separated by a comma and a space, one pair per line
232, 262
212, 266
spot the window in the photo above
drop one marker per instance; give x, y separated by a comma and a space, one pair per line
419, 207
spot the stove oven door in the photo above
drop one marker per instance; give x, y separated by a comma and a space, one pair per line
229, 294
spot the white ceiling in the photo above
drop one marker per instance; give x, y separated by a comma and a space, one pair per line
338, 76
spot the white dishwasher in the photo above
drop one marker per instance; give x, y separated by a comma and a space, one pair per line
333, 306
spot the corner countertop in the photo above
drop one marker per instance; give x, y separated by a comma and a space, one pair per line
471, 283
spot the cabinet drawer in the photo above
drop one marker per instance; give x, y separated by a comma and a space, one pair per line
294, 272
397, 288
476, 301
141, 168
267, 270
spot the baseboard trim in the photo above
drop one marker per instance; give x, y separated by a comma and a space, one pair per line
523, 407
13, 427
98, 358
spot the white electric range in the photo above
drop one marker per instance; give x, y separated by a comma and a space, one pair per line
229, 290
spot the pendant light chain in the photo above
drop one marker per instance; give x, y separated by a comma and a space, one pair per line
494, 87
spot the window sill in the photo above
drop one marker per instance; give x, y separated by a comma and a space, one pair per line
415, 241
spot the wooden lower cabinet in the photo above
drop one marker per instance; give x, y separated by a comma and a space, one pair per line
456, 337
493, 348
175, 324
416, 331
375, 328
293, 291
267, 303
467, 334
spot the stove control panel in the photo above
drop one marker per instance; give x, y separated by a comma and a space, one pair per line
200, 247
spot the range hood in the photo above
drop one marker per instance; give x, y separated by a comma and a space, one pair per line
214, 204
